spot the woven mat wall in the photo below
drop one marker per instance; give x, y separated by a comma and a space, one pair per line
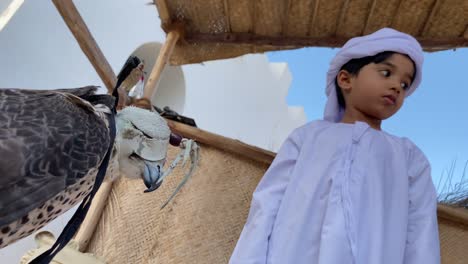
201, 224
453, 242
204, 221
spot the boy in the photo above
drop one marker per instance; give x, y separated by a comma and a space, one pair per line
341, 190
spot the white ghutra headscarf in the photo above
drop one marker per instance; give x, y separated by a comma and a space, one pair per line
385, 39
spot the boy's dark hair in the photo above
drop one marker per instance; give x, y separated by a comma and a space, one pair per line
355, 65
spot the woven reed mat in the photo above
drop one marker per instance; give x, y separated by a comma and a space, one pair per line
200, 225
453, 242
204, 221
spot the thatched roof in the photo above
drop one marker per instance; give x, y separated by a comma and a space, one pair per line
218, 29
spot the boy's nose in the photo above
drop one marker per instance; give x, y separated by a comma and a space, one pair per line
396, 89
396, 86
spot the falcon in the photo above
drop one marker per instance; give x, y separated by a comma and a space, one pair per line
52, 143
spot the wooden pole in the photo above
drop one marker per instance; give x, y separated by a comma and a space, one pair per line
428, 44
88, 45
226, 144
163, 57
87, 228
458, 215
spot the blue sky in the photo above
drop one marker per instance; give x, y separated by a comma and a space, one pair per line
435, 117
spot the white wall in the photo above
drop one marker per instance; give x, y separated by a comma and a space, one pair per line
242, 98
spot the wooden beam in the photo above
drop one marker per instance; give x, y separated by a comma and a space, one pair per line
334, 41
223, 143
458, 215
88, 45
250, 38
91, 221
164, 55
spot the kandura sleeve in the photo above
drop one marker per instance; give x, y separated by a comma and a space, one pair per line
252, 245
422, 243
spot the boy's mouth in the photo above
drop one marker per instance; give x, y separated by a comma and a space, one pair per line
390, 99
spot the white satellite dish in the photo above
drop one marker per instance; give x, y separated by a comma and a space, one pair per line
171, 88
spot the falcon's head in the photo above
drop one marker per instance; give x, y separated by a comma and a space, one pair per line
142, 141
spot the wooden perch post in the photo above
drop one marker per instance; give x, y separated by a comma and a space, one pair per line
87, 228
164, 55
88, 45
226, 144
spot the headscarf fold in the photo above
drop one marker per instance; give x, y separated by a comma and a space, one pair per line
385, 39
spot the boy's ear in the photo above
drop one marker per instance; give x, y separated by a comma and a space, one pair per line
344, 80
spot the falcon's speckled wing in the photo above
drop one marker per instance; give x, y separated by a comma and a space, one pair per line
48, 141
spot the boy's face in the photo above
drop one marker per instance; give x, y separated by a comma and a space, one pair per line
378, 90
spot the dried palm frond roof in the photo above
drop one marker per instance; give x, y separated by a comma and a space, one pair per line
218, 29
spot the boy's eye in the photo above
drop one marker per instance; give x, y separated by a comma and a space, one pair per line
385, 73
405, 86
